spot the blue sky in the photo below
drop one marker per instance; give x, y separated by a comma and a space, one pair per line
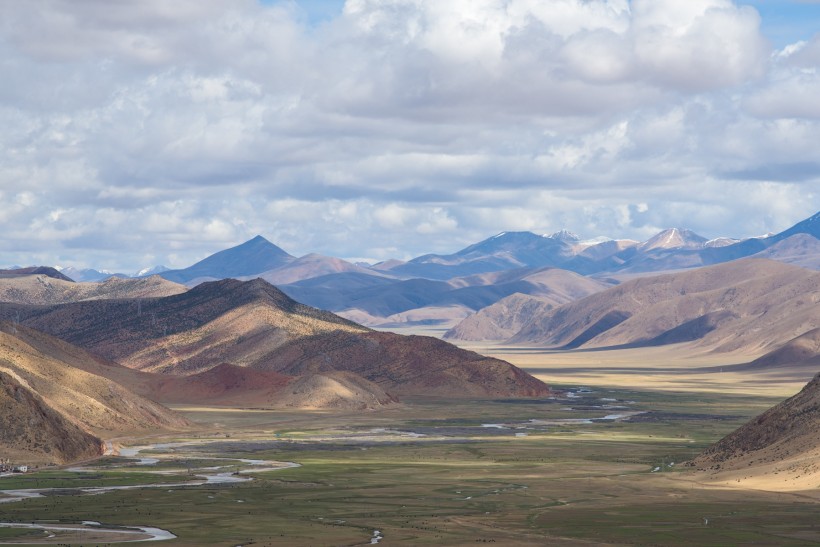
783, 22
787, 22
149, 133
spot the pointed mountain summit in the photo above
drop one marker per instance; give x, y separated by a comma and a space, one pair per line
674, 238
566, 236
253, 257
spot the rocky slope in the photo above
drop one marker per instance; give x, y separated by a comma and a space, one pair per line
60, 411
780, 449
548, 288
253, 324
405, 365
221, 321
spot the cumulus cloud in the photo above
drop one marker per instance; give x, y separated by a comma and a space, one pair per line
170, 130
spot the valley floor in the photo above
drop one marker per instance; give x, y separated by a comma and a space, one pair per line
600, 464
675, 367
597, 466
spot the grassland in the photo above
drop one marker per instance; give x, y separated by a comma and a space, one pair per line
434, 472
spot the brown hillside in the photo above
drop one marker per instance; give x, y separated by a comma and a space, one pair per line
50, 393
405, 365
222, 321
751, 305
800, 249
32, 432
333, 390
35, 270
224, 384
502, 319
93, 402
254, 324
310, 266
802, 351
42, 289
779, 449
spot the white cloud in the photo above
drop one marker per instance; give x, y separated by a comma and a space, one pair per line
172, 130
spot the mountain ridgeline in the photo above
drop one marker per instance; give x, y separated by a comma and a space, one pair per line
252, 324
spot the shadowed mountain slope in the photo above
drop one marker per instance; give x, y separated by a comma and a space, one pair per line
802, 351
503, 319
381, 302
32, 431
405, 365
754, 305
799, 249
780, 449
55, 398
312, 266
504, 251
253, 257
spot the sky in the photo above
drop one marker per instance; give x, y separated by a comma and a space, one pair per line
138, 133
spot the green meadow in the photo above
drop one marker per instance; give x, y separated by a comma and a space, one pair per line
439, 472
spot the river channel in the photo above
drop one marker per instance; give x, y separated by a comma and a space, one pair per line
94, 531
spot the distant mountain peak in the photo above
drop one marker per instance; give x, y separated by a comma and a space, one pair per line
145, 272
720, 242
566, 236
253, 257
674, 238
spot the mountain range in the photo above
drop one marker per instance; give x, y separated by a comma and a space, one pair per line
252, 324
445, 289
751, 304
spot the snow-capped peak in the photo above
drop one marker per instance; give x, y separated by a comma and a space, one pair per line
151, 271
565, 235
720, 242
674, 238
595, 241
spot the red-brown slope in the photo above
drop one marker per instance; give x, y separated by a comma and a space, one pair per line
224, 384
406, 365
254, 324
31, 431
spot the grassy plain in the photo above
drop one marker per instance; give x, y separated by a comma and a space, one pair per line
546, 472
